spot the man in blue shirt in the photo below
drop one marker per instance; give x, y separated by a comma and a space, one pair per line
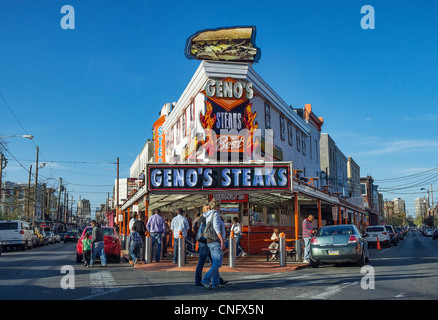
179, 223
156, 228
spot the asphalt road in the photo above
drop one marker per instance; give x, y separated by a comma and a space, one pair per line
407, 271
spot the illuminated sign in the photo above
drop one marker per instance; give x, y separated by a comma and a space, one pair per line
219, 177
159, 140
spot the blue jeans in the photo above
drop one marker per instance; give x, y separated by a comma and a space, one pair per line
133, 251
239, 249
98, 249
307, 248
217, 256
203, 254
156, 239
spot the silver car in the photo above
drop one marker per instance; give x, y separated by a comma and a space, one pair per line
338, 244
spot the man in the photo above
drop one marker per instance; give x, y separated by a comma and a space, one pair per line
156, 228
179, 223
98, 245
132, 221
211, 279
307, 236
141, 229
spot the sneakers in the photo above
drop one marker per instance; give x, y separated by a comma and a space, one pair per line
306, 261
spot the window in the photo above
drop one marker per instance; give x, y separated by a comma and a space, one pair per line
310, 148
184, 123
290, 136
363, 189
267, 116
282, 128
303, 142
298, 137
316, 151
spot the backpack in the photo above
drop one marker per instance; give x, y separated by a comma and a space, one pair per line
202, 224
209, 232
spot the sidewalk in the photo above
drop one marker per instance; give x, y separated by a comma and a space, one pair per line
247, 264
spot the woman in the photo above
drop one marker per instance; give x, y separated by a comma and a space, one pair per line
211, 279
274, 245
236, 228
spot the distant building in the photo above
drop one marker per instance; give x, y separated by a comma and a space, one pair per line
399, 206
84, 211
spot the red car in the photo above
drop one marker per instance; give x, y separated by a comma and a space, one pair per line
113, 247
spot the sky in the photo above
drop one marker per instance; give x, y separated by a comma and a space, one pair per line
90, 95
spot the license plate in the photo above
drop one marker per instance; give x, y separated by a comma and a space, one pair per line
333, 252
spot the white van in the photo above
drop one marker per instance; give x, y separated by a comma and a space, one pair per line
372, 232
15, 233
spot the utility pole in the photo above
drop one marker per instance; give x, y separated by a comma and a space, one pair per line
36, 184
3, 163
28, 195
117, 196
433, 206
58, 211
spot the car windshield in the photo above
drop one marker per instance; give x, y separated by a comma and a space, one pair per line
375, 229
330, 231
106, 231
9, 226
71, 233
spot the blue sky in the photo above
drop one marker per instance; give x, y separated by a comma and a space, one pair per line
92, 94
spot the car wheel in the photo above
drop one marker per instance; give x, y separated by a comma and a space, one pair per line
314, 264
361, 262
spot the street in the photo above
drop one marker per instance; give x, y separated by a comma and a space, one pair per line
406, 271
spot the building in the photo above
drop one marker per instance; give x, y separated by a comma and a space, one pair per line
399, 206
421, 207
83, 211
230, 136
371, 199
353, 177
18, 201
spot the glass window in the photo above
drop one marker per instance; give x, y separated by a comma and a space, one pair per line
282, 128
267, 116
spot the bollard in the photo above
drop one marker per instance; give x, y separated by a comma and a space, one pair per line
282, 248
181, 250
148, 248
232, 250
297, 250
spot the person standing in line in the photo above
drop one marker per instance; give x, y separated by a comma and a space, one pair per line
236, 227
307, 236
212, 279
273, 247
179, 223
165, 237
134, 244
141, 229
132, 221
98, 244
156, 227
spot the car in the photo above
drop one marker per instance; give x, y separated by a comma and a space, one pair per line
49, 237
428, 232
16, 233
392, 234
62, 235
400, 233
435, 234
338, 244
372, 232
113, 246
71, 235
57, 237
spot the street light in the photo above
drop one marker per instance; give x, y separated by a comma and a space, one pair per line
27, 136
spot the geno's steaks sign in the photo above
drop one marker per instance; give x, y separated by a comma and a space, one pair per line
220, 177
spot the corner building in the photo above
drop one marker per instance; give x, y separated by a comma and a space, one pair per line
231, 136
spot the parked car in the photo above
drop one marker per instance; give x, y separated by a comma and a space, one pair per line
429, 233
113, 247
435, 234
48, 236
62, 235
71, 235
337, 244
57, 237
16, 233
400, 233
392, 234
372, 232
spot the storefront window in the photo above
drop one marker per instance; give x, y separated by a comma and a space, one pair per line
264, 215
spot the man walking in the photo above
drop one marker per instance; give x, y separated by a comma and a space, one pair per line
156, 228
307, 236
98, 245
179, 223
141, 229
